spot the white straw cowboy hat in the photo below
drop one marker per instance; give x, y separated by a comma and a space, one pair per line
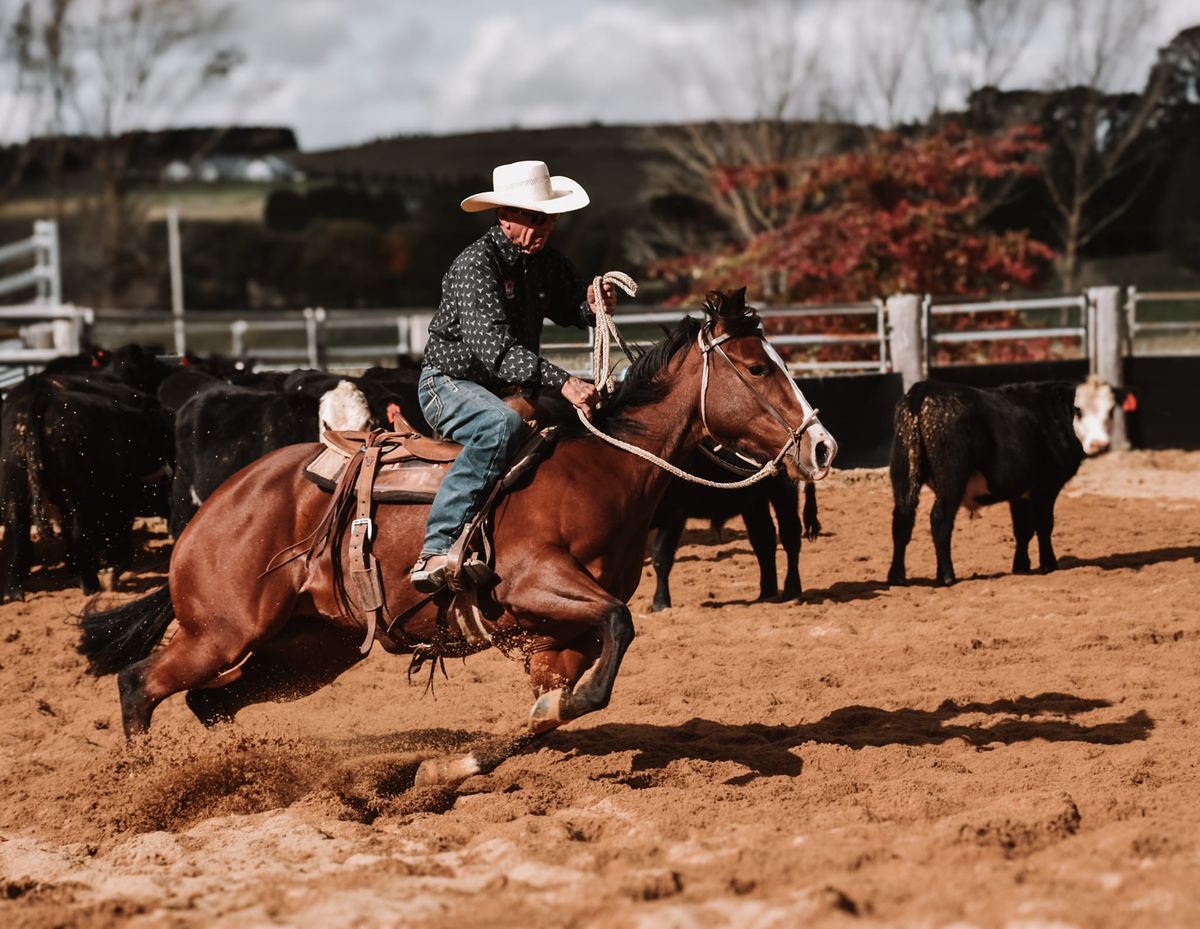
527, 185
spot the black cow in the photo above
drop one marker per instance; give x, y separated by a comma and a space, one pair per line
684, 501
88, 450
1018, 444
380, 386
222, 428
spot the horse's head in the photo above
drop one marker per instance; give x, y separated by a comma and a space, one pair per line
749, 401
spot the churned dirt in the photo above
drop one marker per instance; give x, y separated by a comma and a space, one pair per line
1014, 752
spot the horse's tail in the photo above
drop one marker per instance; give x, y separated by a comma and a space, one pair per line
812, 525
909, 465
111, 640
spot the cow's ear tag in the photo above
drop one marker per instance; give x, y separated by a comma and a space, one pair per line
1129, 404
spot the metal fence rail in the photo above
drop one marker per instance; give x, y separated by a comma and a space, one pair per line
1135, 326
934, 336
311, 336
317, 335
877, 337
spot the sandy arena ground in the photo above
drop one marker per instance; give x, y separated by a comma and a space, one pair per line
1014, 752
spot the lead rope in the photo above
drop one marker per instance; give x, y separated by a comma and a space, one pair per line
606, 331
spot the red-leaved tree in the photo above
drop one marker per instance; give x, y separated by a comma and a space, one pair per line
904, 216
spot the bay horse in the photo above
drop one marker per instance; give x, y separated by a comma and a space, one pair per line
569, 549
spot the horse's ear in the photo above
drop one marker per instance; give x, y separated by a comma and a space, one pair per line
735, 303
714, 304
721, 304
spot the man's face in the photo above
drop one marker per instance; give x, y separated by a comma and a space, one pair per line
529, 231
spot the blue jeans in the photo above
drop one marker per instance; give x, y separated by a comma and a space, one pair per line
489, 431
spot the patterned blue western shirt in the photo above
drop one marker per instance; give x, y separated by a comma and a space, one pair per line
488, 327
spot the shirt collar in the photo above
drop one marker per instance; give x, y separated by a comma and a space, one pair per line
510, 254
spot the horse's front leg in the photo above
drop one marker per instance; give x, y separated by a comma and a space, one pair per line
569, 685
572, 670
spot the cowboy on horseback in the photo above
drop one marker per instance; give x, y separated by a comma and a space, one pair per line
485, 339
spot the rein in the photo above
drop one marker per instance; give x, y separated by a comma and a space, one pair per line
606, 329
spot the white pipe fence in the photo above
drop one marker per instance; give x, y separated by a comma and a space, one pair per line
45, 277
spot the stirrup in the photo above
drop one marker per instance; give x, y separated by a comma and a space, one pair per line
474, 573
428, 580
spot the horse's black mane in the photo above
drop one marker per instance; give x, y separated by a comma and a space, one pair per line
644, 383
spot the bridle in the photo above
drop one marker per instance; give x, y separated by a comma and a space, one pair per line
708, 345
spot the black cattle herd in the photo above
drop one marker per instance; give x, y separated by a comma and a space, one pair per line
93, 442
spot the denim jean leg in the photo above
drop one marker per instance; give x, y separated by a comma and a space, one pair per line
488, 429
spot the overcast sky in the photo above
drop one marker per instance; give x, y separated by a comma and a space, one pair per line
345, 71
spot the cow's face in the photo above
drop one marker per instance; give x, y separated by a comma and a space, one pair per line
1094, 402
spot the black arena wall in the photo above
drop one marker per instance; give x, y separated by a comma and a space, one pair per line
858, 410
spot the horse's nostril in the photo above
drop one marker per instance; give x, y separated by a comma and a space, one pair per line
821, 453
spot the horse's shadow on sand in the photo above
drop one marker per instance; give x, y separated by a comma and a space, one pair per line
766, 750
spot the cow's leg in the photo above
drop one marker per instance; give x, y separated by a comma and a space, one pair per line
785, 501
1022, 522
812, 522
1043, 520
941, 522
183, 508
906, 492
81, 550
757, 517
118, 542
903, 517
305, 656
662, 556
18, 556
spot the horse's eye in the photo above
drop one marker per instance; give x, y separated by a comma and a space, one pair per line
758, 370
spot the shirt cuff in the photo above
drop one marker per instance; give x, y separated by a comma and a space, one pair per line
552, 375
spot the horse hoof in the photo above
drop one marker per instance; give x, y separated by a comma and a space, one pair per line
434, 772
549, 711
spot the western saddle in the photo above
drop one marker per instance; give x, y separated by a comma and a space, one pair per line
401, 466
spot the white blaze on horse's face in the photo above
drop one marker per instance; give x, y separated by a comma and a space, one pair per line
821, 447
1094, 404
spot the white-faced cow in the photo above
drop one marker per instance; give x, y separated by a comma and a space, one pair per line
1017, 444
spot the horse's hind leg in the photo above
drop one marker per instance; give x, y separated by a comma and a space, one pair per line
199, 651
305, 656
